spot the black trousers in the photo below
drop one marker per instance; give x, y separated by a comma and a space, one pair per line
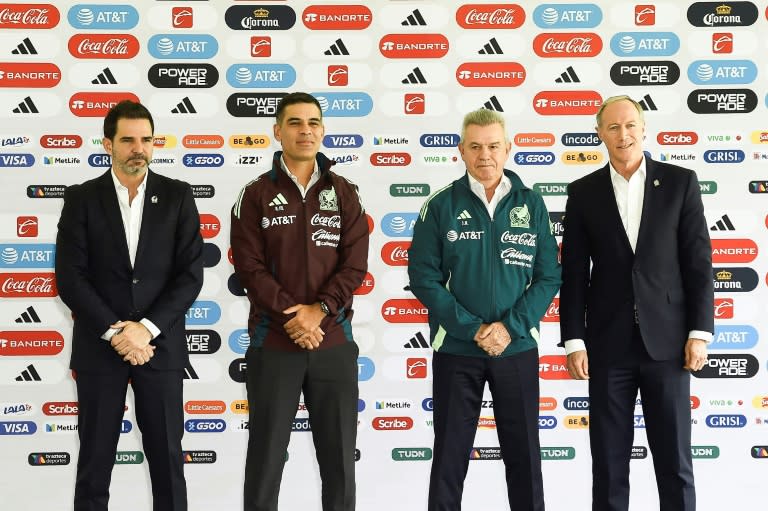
458, 383
665, 390
160, 417
274, 381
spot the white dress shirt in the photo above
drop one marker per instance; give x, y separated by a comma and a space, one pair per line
629, 200
131, 213
314, 178
501, 191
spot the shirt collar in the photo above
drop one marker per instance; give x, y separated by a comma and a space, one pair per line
616, 177
476, 186
119, 186
315, 171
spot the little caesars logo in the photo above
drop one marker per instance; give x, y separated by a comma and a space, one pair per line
520, 217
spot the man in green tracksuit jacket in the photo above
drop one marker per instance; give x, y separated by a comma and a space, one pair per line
484, 262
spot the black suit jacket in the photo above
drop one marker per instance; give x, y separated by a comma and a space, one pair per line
668, 277
94, 275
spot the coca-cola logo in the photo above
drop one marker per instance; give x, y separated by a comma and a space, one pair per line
567, 44
553, 312
23, 285
480, 16
525, 238
103, 46
327, 221
395, 253
28, 16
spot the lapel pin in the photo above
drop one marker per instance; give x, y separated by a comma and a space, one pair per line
655, 183
154, 197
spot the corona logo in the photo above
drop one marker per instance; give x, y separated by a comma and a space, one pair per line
724, 275
260, 13
723, 10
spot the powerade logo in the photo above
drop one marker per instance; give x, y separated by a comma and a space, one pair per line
534, 158
101, 17
729, 366
722, 72
547, 422
398, 225
439, 140
183, 46
645, 44
724, 101
726, 421
205, 425
203, 160
734, 337
365, 368
724, 156
254, 104
17, 160
100, 160
428, 404
644, 72
17, 428
576, 403
567, 16
183, 75
343, 141
239, 340
344, 104
203, 313
261, 76
38, 255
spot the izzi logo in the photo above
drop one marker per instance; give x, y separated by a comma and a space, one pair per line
645, 44
182, 75
103, 17
261, 76
722, 72
254, 104
726, 101
647, 72
729, 366
722, 14
343, 141
567, 16
262, 17
183, 46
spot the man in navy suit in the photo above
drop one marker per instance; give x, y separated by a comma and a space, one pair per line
641, 317
129, 265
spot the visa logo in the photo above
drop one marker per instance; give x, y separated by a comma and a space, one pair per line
342, 141
16, 160
18, 428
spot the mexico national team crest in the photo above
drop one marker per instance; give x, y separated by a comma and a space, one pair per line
328, 201
520, 217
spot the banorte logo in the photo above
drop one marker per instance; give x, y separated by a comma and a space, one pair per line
567, 44
29, 74
414, 46
404, 310
490, 74
27, 285
733, 251
31, 343
366, 286
485, 16
337, 17
103, 46
553, 367
97, 104
25, 16
586, 102
553, 312
209, 225
395, 253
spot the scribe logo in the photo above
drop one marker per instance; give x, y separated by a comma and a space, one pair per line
61, 141
29, 74
490, 74
490, 16
390, 159
567, 102
60, 408
103, 46
567, 45
677, 138
337, 17
414, 46
392, 423
26, 16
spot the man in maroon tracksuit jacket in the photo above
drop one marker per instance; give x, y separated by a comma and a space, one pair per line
300, 247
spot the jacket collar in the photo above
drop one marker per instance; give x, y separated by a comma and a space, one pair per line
324, 164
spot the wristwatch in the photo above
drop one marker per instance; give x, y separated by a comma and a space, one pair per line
325, 309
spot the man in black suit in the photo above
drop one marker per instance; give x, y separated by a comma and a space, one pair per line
641, 317
129, 265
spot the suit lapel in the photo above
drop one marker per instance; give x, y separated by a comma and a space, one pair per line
150, 215
612, 209
650, 204
111, 207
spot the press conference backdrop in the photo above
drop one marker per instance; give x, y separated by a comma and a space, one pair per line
394, 79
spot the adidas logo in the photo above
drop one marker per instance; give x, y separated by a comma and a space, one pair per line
493, 104
29, 316
491, 48
105, 78
568, 76
337, 48
29, 374
414, 19
26, 107
25, 47
190, 373
464, 215
724, 224
185, 107
415, 76
417, 341
279, 200
647, 103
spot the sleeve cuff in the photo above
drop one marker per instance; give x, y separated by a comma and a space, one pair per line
151, 327
107, 336
573, 345
701, 334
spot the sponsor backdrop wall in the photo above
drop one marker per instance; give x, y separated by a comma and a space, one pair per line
394, 79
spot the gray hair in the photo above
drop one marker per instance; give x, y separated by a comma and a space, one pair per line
614, 99
483, 117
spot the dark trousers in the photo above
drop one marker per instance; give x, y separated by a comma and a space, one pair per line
274, 382
458, 383
160, 417
665, 390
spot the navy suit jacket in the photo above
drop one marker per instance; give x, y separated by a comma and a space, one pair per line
94, 275
668, 277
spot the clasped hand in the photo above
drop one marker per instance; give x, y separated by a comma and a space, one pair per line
304, 328
493, 338
132, 342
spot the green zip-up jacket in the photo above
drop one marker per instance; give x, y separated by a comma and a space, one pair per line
469, 269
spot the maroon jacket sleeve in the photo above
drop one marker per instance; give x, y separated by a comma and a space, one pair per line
250, 258
353, 249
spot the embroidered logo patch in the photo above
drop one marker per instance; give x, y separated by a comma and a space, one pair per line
328, 200
520, 217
